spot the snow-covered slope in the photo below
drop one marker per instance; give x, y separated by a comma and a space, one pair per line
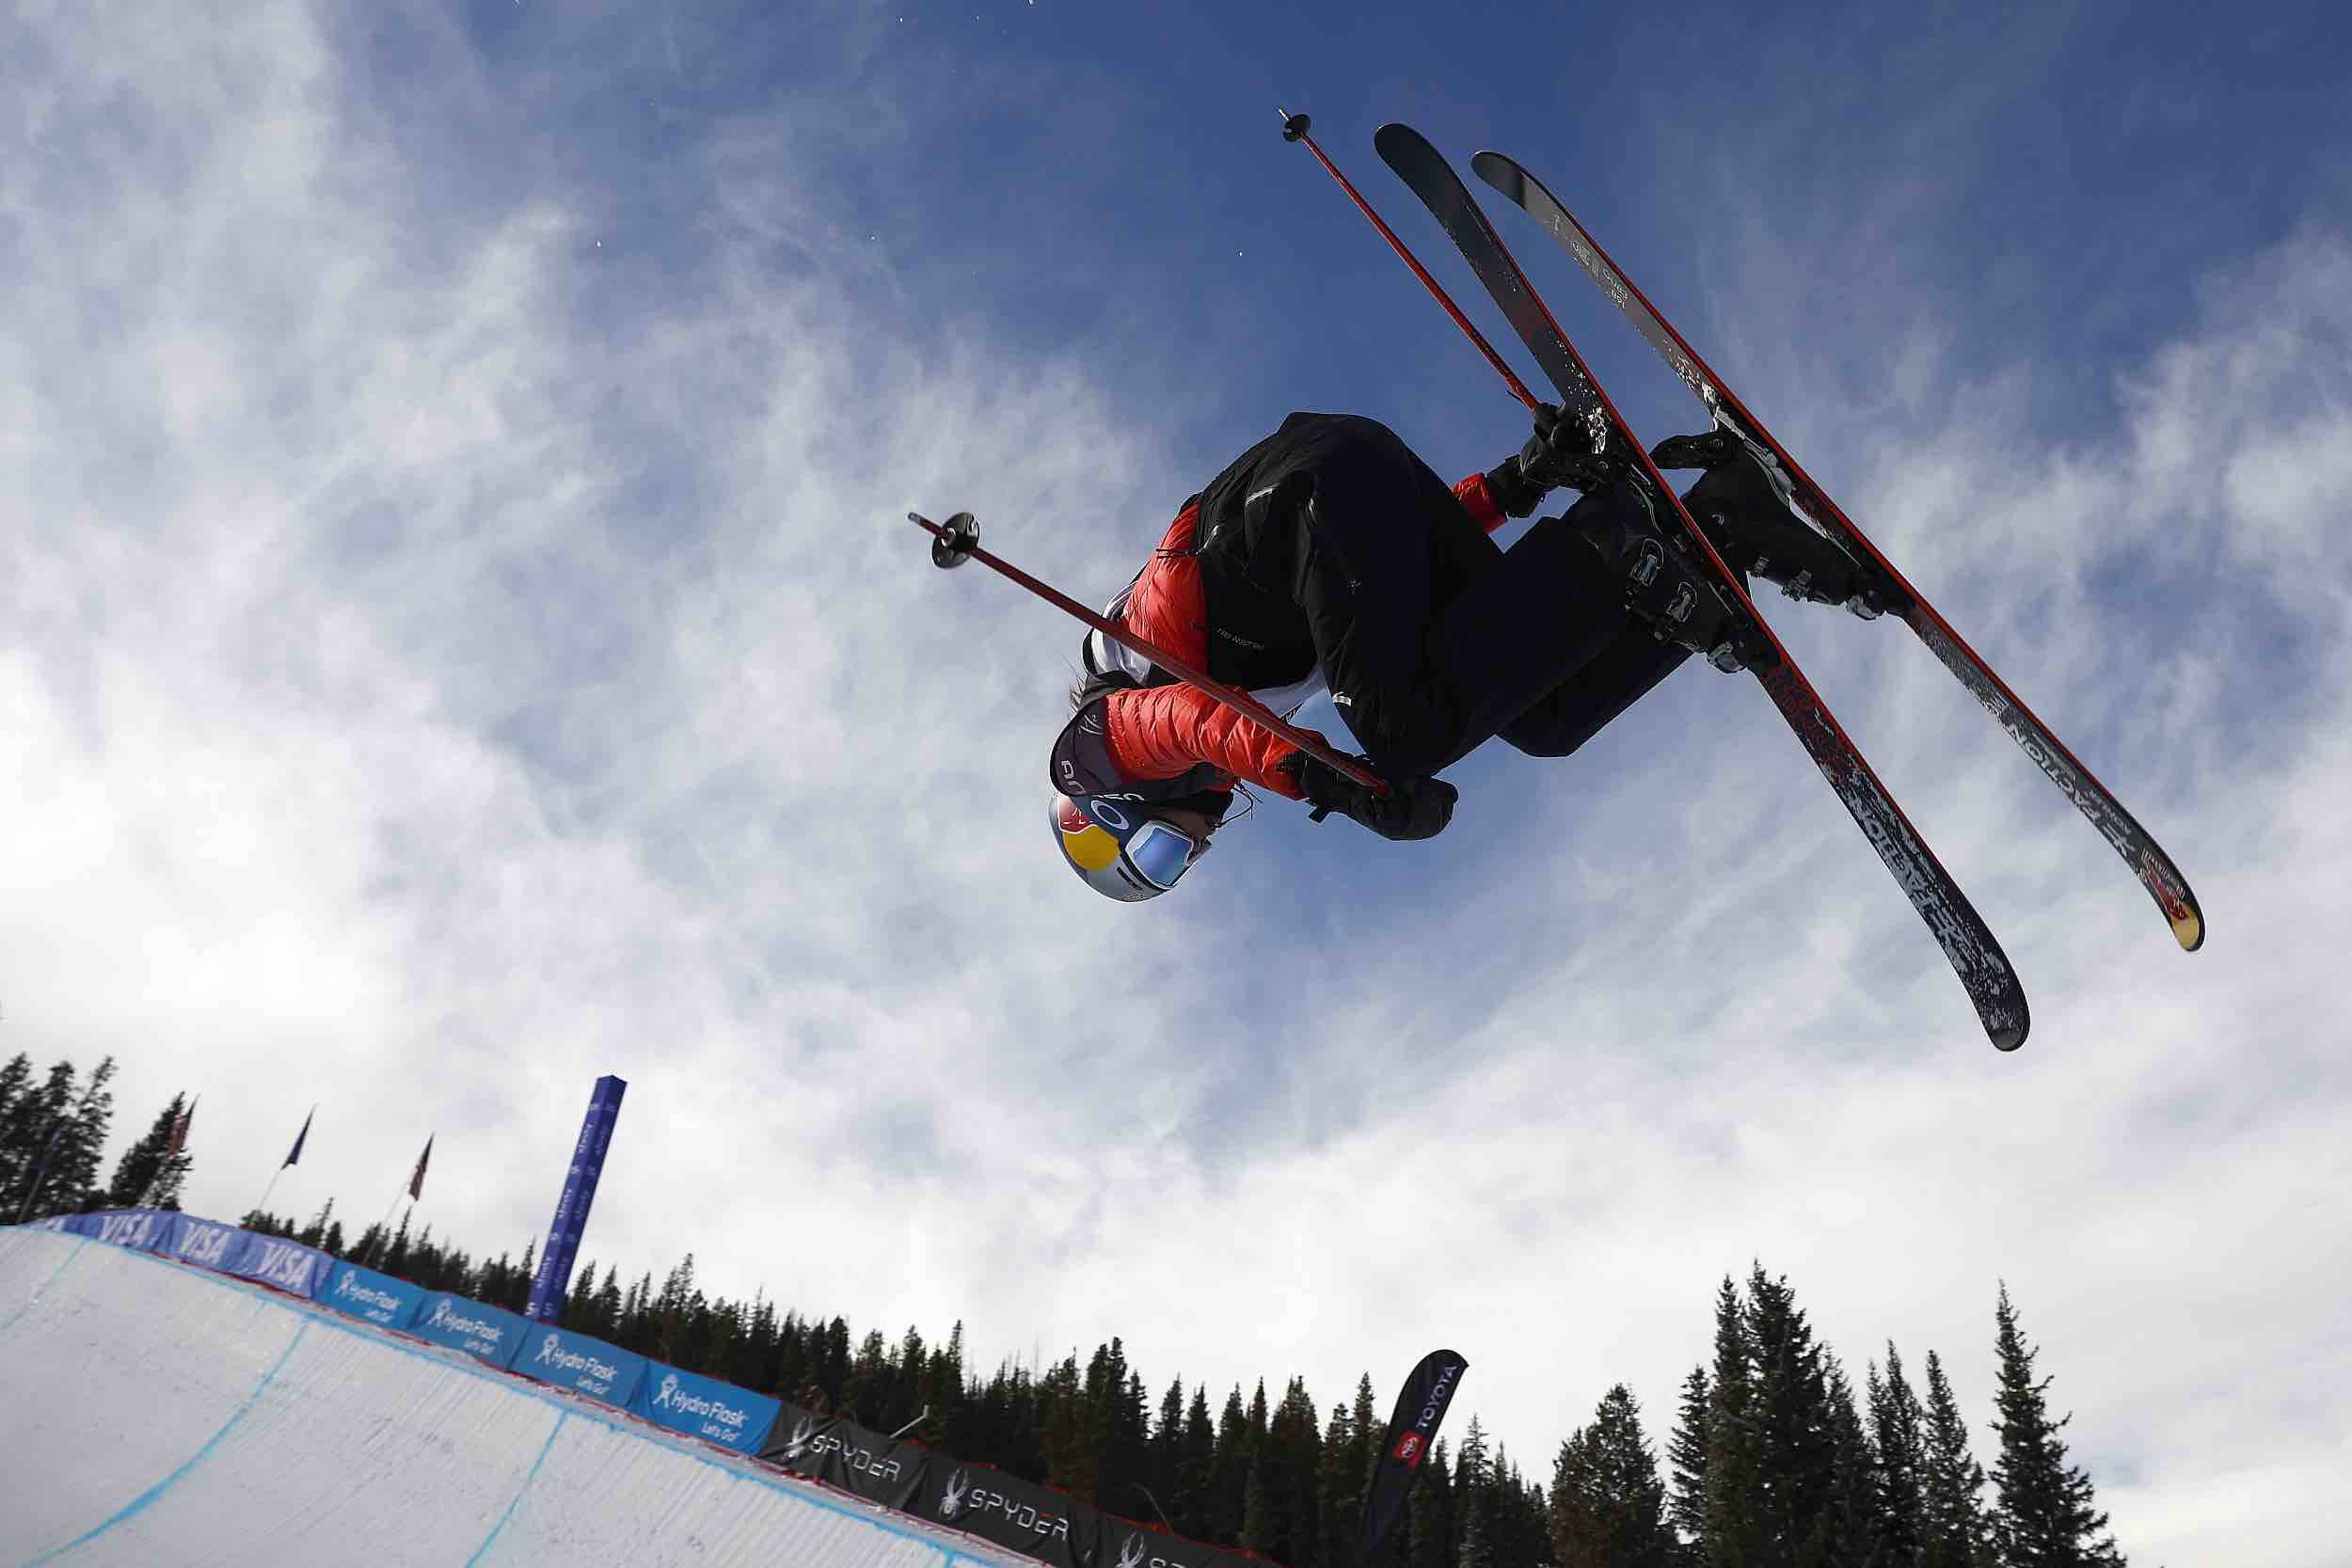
153, 1413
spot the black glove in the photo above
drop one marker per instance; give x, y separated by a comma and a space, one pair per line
1562, 451
1413, 808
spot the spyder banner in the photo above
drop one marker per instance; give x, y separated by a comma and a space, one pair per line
1412, 1429
844, 1454
979, 1499
1038, 1522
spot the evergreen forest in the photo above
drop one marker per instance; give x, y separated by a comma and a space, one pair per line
1775, 1456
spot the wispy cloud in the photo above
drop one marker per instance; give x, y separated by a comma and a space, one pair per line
447, 657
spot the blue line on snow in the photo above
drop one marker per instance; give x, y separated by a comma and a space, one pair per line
516, 1501
144, 1500
34, 1300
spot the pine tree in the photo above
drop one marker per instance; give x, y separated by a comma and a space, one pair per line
1196, 1482
1686, 1460
1516, 1527
1796, 1449
396, 1256
1061, 1430
15, 1074
1334, 1476
608, 1303
1430, 1514
149, 1174
34, 1126
2044, 1516
517, 1294
315, 1232
73, 1180
1897, 1433
1236, 1447
1256, 1521
1473, 1537
1846, 1534
1607, 1507
579, 1311
1350, 1448
1164, 1463
1732, 1532
1127, 1462
54, 1138
1956, 1532
1282, 1516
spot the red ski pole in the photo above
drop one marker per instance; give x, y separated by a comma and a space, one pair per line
958, 540
1295, 129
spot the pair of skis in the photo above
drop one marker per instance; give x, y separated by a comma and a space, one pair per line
1983, 970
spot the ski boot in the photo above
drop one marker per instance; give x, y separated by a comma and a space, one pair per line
1663, 585
1743, 503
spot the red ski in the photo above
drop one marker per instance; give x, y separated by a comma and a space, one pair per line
2147, 859
1976, 957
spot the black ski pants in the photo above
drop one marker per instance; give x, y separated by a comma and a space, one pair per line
1432, 638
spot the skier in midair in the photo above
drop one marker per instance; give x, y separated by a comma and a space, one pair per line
1328, 556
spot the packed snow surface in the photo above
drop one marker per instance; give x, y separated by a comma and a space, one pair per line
155, 1413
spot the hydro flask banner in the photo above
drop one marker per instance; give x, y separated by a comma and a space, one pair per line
487, 1332
571, 1208
583, 1365
703, 1407
385, 1301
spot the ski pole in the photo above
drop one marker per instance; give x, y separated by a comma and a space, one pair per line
1295, 129
958, 540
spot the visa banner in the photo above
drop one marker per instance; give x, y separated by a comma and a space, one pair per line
288, 1266
145, 1230
385, 1301
562, 1359
703, 1407
204, 1243
490, 1333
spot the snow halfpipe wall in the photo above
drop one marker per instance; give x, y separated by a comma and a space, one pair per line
155, 1413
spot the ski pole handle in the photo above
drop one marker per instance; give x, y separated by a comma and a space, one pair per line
958, 540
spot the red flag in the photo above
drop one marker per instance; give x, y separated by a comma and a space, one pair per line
416, 1182
180, 1130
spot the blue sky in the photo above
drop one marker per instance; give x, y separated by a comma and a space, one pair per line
460, 638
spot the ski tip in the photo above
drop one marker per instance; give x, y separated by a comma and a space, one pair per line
2190, 931
1500, 172
2006, 1018
2166, 885
1294, 126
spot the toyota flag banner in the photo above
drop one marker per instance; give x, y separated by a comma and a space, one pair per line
1419, 1411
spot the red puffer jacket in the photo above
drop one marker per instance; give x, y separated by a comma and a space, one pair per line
1160, 732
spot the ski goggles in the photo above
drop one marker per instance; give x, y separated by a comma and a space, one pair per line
1160, 852
1117, 851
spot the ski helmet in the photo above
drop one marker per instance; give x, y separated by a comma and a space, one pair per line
1116, 851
